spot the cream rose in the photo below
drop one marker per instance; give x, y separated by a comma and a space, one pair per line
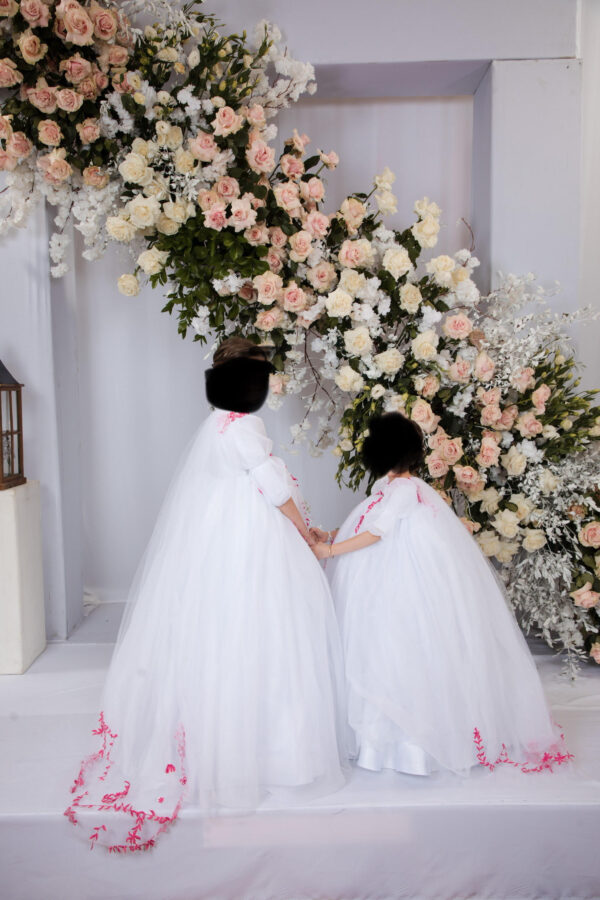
506, 523
128, 285
534, 539
143, 211
426, 231
489, 543
390, 361
424, 345
185, 161
507, 551
548, 482
178, 210
489, 500
410, 298
349, 380
338, 303
167, 226
32, 49
589, 535
441, 268
397, 262
358, 341
377, 391
120, 229
152, 261
514, 462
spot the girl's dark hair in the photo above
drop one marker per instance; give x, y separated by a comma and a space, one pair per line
394, 444
239, 378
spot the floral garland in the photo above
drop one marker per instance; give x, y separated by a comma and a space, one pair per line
159, 140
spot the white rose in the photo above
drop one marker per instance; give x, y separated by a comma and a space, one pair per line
442, 268
152, 261
548, 482
349, 380
489, 542
166, 225
514, 462
358, 341
397, 261
387, 203
120, 229
426, 207
426, 232
135, 170
352, 281
377, 391
338, 303
128, 285
143, 211
385, 181
506, 523
424, 345
410, 298
390, 361
535, 538
396, 403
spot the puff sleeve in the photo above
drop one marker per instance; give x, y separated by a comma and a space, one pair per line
253, 448
400, 499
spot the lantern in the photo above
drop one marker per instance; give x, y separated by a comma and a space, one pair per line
11, 431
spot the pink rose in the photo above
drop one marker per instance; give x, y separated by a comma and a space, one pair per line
5, 128
105, 22
203, 147
277, 383
93, 176
424, 416
77, 24
257, 234
430, 386
294, 298
227, 188
468, 479
7, 162
206, 199
355, 254
491, 397
298, 141
436, 440
460, 370
43, 97
260, 157
313, 189
595, 652
88, 88
216, 217
268, 287
275, 259
491, 415
322, 276
122, 84
32, 49
247, 292
493, 436
18, 145
117, 56
291, 166
589, 536
88, 130
471, 527
458, 327
330, 160
255, 115
301, 245
287, 197
268, 319
226, 122
585, 597
9, 75
242, 215
54, 166
76, 68
100, 80
353, 212
451, 450
484, 367
528, 426
317, 224
8, 9
68, 100
489, 453
35, 13
524, 379
437, 466
277, 237
540, 397
49, 133
509, 417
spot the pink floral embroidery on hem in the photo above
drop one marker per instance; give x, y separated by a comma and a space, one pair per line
545, 763
229, 418
379, 496
110, 801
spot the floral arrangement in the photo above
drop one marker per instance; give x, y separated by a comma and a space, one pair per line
160, 140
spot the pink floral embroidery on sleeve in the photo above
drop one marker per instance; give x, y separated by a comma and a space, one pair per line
228, 419
378, 497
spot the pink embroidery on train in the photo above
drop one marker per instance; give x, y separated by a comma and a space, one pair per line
544, 761
374, 502
229, 418
110, 802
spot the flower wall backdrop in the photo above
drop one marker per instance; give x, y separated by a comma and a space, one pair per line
161, 140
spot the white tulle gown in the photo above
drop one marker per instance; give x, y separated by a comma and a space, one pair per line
438, 674
227, 679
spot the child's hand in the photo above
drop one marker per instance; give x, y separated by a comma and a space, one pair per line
321, 550
319, 535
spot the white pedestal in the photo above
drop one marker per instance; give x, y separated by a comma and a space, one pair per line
22, 625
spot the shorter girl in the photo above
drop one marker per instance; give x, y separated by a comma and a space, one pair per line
438, 674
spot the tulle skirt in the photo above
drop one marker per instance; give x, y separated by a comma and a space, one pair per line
438, 674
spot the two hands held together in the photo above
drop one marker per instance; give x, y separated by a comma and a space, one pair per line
320, 542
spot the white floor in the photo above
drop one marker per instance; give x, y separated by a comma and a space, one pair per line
498, 835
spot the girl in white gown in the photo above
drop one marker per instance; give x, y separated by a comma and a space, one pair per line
438, 674
227, 679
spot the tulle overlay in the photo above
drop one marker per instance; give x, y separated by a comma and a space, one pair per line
438, 673
227, 680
